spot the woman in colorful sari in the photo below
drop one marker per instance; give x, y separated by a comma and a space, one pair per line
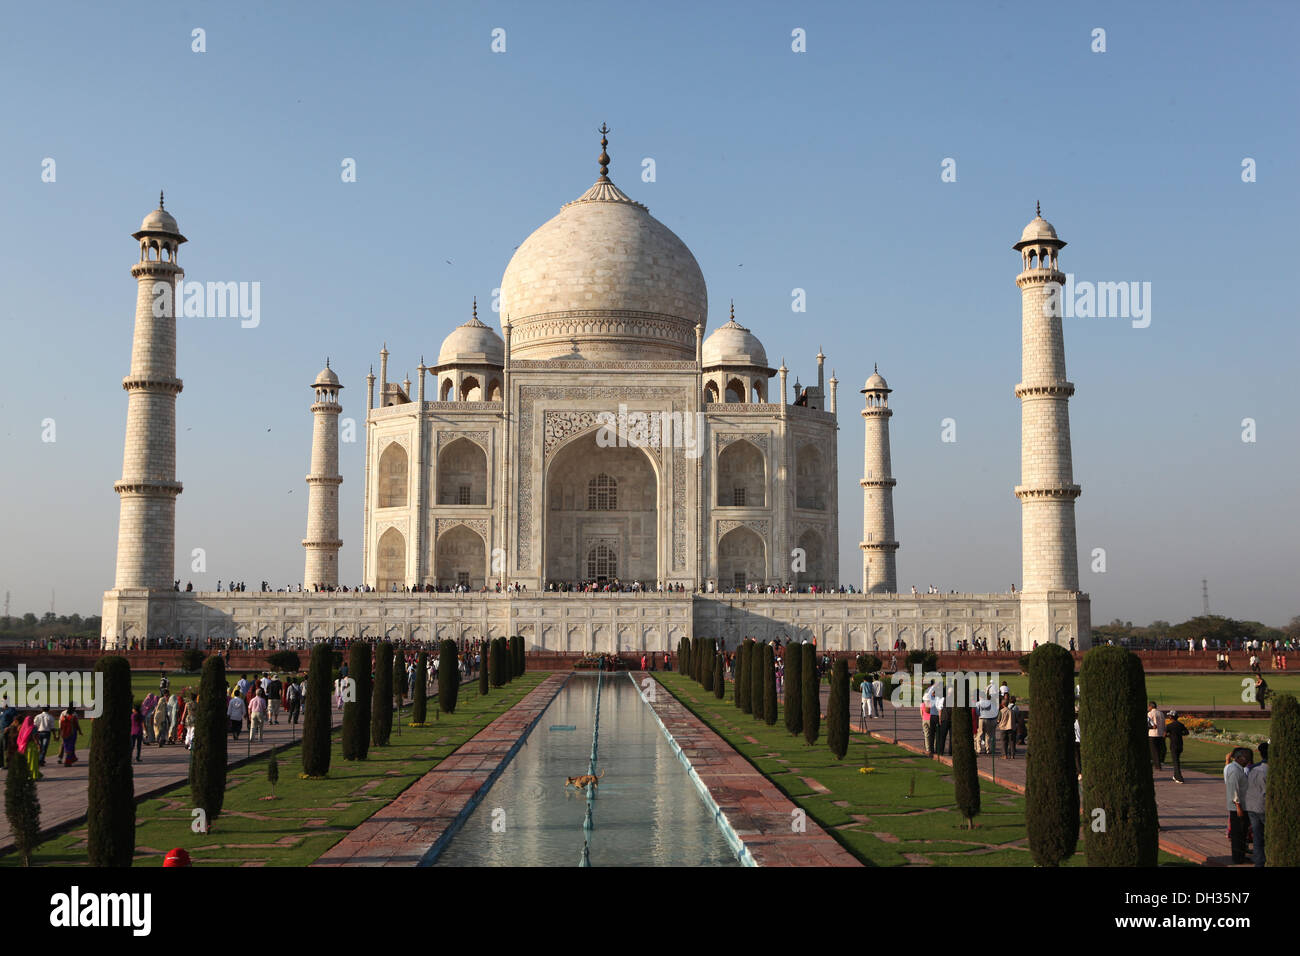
27, 748
69, 727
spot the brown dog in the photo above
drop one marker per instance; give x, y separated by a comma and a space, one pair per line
580, 782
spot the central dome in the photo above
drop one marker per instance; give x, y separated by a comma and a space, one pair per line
603, 280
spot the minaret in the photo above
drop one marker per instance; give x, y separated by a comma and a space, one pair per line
1047, 489
879, 571
322, 541
146, 534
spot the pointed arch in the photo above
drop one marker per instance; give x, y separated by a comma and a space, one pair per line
392, 477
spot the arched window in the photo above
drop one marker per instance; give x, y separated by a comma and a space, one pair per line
392, 477
602, 493
601, 563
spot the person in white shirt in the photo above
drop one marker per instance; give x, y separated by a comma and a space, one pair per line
1256, 790
867, 700
987, 709
1234, 779
878, 692
235, 710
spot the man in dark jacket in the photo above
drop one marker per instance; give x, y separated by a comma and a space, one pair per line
1175, 732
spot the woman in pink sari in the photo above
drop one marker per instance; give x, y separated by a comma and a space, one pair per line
27, 749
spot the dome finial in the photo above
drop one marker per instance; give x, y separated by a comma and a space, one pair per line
603, 158
327, 361
160, 200
733, 310
1038, 209
476, 308
875, 367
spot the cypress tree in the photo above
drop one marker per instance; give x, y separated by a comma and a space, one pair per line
708, 662
449, 677
110, 794
399, 683
757, 681
1112, 715
793, 689
420, 692
22, 806
965, 771
483, 654
697, 658
1282, 798
741, 675
837, 709
211, 732
810, 694
719, 678
317, 716
381, 706
497, 675
769, 684
1051, 784
356, 713
517, 654
272, 772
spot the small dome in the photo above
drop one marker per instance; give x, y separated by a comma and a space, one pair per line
733, 344
876, 382
327, 377
472, 344
1038, 229
160, 220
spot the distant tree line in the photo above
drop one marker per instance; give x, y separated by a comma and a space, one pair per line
1159, 635
30, 627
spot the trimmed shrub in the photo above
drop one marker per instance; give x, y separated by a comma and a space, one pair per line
284, 661
449, 677
708, 662
356, 712
484, 653
1112, 715
381, 702
496, 661
272, 771
740, 675
810, 693
719, 678
22, 806
837, 709
793, 688
769, 684
1051, 783
211, 732
517, 654
756, 657
191, 659
1282, 801
420, 692
399, 682
965, 771
110, 793
928, 660
317, 716
697, 660
684, 657
868, 663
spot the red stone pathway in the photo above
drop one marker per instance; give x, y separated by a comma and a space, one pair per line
430, 811
759, 813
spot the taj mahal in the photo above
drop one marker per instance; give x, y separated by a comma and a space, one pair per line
602, 474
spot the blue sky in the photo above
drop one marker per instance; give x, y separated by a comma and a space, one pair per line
817, 170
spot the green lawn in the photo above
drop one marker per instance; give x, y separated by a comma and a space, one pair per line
904, 806
308, 816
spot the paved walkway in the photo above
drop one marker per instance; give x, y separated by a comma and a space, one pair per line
1192, 815
759, 813
63, 791
429, 812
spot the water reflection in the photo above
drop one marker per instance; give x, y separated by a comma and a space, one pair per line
647, 811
